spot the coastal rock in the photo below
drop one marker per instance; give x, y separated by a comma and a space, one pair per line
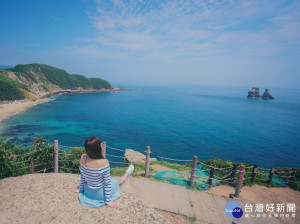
254, 93
135, 157
267, 95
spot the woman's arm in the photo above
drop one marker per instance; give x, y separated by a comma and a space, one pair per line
82, 180
107, 184
107, 189
80, 187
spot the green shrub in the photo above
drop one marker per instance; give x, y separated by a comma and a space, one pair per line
15, 160
69, 161
10, 89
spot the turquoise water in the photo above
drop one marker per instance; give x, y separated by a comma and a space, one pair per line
176, 121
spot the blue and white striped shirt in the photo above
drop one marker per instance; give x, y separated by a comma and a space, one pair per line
96, 178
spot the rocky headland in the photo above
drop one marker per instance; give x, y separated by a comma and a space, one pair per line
24, 86
36, 81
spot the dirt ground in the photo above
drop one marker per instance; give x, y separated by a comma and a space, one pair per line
176, 218
254, 194
46, 198
35, 194
157, 168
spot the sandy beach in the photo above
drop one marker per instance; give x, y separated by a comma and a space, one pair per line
8, 110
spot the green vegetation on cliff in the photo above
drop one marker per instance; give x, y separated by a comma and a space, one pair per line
10, 89
59, 77
39, 79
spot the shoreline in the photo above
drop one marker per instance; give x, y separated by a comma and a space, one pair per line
9, 109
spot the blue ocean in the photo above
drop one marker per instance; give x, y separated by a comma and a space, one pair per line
175, 121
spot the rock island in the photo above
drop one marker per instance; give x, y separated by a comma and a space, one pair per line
254, 94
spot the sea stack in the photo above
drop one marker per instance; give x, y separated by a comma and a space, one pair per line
254, 93
267, 95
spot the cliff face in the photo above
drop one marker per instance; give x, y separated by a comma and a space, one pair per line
36, 87
33, 81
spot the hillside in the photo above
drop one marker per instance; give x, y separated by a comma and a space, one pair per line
34, 81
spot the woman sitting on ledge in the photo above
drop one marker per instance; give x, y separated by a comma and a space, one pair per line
96, 186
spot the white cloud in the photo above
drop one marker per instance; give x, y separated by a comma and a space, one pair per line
89, 51
196, 28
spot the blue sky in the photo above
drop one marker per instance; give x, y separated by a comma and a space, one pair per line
244, 43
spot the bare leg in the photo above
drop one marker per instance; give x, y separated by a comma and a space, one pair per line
122, 179
127, 173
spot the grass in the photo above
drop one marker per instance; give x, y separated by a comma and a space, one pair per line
119, 171
174, 166
190, 219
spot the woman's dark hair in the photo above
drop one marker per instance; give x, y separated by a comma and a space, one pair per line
93, 148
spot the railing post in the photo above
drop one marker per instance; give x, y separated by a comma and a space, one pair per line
211, 174
55, 156
233, 171
254, 171
103, 146
240, 181
292, 177
194, 166
147, 161
270, 175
